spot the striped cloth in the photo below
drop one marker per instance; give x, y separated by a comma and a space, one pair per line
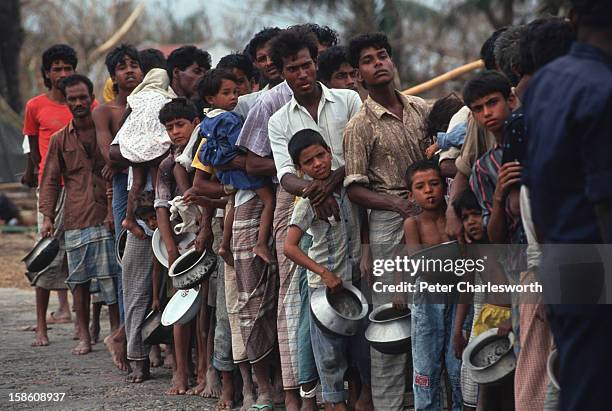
137, 265
289, 299
91, 256
256, 284
388, 371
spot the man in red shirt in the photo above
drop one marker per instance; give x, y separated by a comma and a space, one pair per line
44, 115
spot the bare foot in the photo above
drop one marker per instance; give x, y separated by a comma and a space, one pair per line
94, 330
248, 399
213, 384
41, 339
118, 352
179, 385
227, 255
198, 389
155, 356
263, 252
140, 372
132, 226
82, 348
224, 405
264, 399
169, 360
58, 317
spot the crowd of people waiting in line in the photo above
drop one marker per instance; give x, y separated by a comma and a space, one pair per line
299, 153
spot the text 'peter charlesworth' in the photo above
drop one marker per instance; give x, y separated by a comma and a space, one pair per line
461, 287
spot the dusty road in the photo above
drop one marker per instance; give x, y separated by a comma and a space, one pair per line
89, 382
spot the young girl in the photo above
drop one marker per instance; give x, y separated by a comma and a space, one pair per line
221, 128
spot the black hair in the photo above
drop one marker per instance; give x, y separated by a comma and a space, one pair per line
150, 59
116, 56
289, 42
507, 52
487, 53
593, 13
185, 56
326, 36
543, 41
363, 41
303, 139
177, 108
57, 52
259, 40
74, 79
421, 165
441, 113
466, 200
485, 83
211, 83
237, 61
330, 61
144, 204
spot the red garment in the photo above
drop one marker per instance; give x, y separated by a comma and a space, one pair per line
43, 118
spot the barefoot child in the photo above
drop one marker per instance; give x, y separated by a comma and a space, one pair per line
432, 324
142, 138
221, 128
333, 258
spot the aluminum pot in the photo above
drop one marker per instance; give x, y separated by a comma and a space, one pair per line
389, 329
192, 268
182, 307
339, 313
43, 253
184, 243
490, 357
552, 368
120, 245
153, 331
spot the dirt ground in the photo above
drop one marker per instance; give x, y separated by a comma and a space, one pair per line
90, 381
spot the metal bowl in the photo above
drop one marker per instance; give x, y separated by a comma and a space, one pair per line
183, 243
153, 331
192, 268
339, 313
389, 329
552, 368
43, 253
490, 357
182, 307
120, 245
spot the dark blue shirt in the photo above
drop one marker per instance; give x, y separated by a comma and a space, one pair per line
568, 119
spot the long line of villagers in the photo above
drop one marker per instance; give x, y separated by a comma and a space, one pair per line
286, 161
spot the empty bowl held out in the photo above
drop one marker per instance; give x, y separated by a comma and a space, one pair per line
490, 357
42, 254
153, 331
192, 268
120, 245
339, 313
389, 329
184, 243
182, 307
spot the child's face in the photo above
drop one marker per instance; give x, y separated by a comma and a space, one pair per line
150, 220
315, 161
244, 84
227, 97
427, 189
492, 110
180, 130
472, 223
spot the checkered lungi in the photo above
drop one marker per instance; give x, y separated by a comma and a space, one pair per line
91, 256
256, 284
137, 265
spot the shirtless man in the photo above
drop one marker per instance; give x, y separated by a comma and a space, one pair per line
123, 65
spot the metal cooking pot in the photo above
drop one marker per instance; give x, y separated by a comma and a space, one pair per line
41, 255
120, 245
192, 268
552, 368
184, 243
339, 313
490, 357
389, 329
182, 307
153, 331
